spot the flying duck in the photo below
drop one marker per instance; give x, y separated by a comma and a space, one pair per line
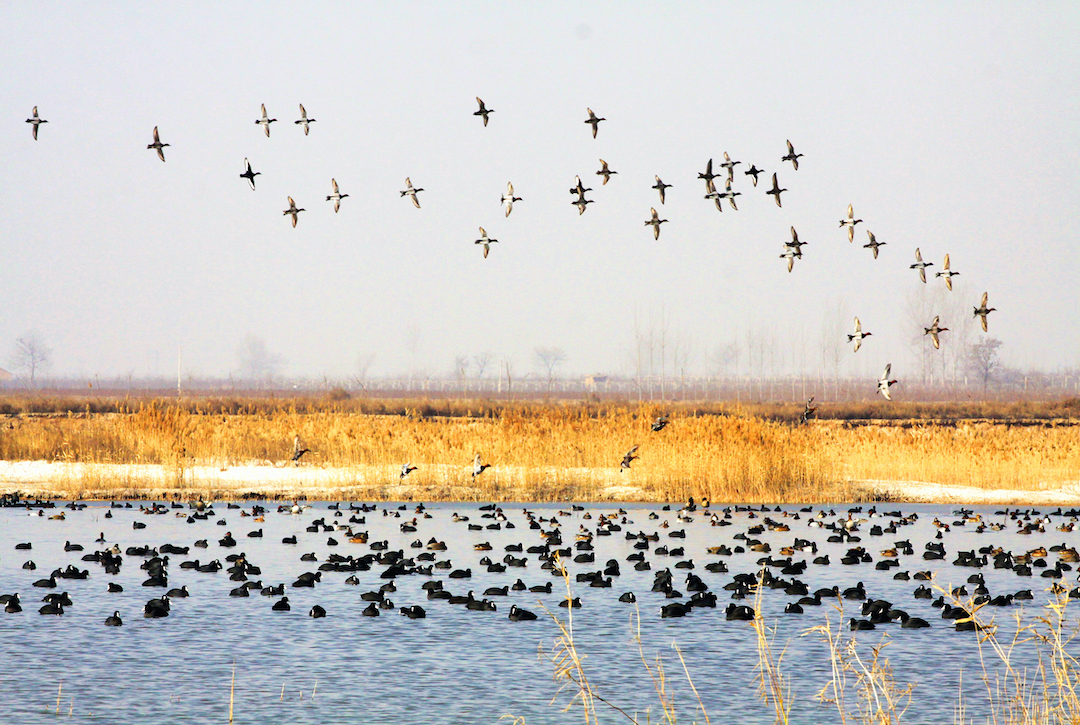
792, 156
730, 166
859, 335
947, 273
982, 311
933, 331
708, 176
655, 223
484, 111
304, 120
921, 265
884, 383
157, 145
789, 254
265, 122
795, 243
628, 459
874, 243
479, 467
406, 469
337, 196
753, 171
485, 241
594, 121
850, 223
660, 186
508, 198
36, 121
411, 192
605, 171
578, 188
775, 191
249, 174
581, 203
293, 211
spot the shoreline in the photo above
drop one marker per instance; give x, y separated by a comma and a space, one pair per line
266, 480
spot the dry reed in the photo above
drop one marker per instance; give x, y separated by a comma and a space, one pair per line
538, 452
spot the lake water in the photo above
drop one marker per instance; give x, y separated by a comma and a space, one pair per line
457, 665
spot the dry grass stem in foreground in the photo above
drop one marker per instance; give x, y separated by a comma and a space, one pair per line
772, 685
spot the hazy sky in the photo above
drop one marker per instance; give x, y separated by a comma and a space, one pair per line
951, 127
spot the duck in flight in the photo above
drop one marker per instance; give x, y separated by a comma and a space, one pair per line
293, 211
249, 174
934, 330
628, 459
579, 188
708, 176
808, 411
874, 243
884, 383
484, 111
265, 122
594, 121
947, 273
775, 191
795, 243
479, 467
605, 172
982, 311
36, 121
792, 156
337, 196
730, 166
508, 198
411, 192
921, 265
157, 145
790, 254
486, 242
859, 335
850, 223
406, 469
581, 204
661, 186
730, 195
753, 172
655, 223
304, 120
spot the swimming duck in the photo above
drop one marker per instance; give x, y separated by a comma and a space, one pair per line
517, 614
884, 383
265, 122
934, 330
661, 186
850, 223
605, 171
304, 120
484, 111
336, 197
859, 335
982, 311
281, 605
655, 223
293, 211
874, 243
921, 265
594, 121
411, 192
317, 612
792, 156
157, 145
508, 198
775, 191
485, 241
36, 121
947, 273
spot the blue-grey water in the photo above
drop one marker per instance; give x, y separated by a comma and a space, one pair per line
457, 666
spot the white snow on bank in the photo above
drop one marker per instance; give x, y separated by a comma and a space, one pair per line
922, 491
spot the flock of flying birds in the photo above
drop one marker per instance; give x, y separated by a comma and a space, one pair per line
792, 249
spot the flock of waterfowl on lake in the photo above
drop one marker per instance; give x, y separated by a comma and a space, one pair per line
399, 569
792, 249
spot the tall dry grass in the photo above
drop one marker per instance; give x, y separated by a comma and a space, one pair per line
540, 452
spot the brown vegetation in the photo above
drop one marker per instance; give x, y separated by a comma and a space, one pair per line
550, 452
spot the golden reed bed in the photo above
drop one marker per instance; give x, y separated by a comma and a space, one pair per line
539, 452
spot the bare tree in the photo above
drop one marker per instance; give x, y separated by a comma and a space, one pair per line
31, 355
256, 360
461, 367
508, 364
364, 361
983, 359
481, 362
549, 359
